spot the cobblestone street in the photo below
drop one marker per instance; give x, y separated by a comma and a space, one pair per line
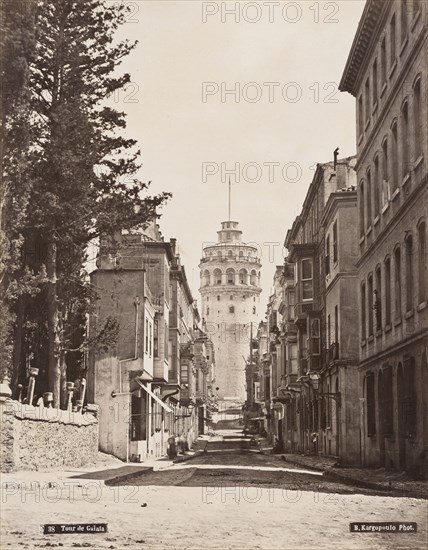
239, 497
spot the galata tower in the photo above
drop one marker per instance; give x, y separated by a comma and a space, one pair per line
230, 291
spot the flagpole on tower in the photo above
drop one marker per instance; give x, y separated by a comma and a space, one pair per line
229, 198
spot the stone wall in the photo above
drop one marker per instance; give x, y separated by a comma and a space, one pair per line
34, 438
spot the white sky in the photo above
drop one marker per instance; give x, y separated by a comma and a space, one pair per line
178, 132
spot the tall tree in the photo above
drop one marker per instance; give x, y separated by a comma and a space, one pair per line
17, 45
79, 157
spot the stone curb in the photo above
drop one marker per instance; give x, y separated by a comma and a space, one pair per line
332, 475
348, 480
123, 477
329, 473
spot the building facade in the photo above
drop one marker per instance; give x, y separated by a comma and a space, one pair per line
230, 290
309, 366
387, 73
145, 384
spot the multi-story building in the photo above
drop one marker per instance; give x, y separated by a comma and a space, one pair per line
273, 361
289, 368
339, 412
145, 384
230, 289
305, 243
387, 73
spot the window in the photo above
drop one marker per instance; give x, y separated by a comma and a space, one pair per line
230, 276
393, 40
377, 186
231, 297
327, 255
361, 208
315, 337
229, 254
328, 330
243, 277
307, 279
397, 290
387, 291
150, 339
378, 302
335, 255
166, 341
184, 373
422, 262
156, 339
394, 154
360, 116
228, 236
241, 254
383, 61
147, 336
404, 8
254, 310
405, 138
386, 195
374, 90
363, 312
370, 303
218, 298
208, 311
386, 402
367, 96
231, 309
409, 273
217, 277
409, 397
371, 404
336, 324
369, 199
417, 118
206, 278
253, 278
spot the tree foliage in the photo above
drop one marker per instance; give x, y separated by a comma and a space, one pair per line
77, 179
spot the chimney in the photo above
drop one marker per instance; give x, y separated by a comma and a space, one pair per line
336, 154
173, 242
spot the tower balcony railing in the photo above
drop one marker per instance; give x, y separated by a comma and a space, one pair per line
245, 259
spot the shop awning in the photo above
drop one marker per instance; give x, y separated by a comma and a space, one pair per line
154, 396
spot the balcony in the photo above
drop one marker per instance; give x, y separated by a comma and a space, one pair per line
332, 353
301, 309
272, 347
289, 379
289, 328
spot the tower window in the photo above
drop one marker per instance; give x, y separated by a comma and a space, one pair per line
232, 309
231, 297
218, 298
254, 310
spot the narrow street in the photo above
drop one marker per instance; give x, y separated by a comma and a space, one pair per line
231, 496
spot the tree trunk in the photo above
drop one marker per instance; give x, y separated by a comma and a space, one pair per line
54, 370
17, 343
63, 367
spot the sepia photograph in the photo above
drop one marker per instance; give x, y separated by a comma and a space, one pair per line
213, 274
